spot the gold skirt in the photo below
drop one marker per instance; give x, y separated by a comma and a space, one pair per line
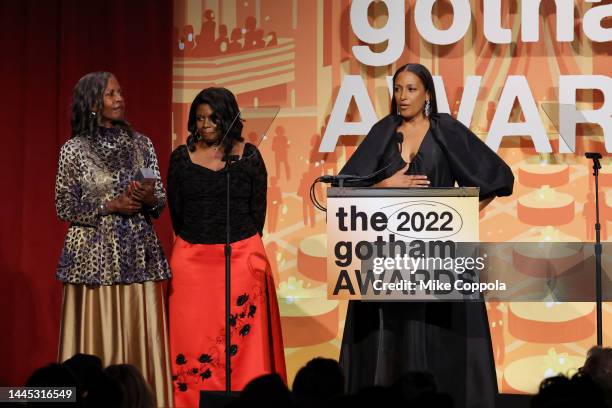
121, 324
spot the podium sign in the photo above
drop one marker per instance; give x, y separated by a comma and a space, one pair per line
400, 243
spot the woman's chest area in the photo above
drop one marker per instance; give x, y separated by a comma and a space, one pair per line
98, 176
210, 160
412, 138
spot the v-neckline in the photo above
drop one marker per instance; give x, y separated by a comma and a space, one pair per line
420, 145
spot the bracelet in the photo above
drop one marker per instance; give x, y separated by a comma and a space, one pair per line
156, 206
102, 209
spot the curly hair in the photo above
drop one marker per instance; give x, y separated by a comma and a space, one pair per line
88, 95
226, 115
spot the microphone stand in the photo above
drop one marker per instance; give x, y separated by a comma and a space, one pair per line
214, 399
229, 159
598, 295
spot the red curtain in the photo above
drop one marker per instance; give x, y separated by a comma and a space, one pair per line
46, 47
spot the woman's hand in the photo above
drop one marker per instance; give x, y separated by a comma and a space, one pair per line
143, 192
400, 179
124, 204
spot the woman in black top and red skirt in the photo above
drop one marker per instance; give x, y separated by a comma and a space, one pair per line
197, 200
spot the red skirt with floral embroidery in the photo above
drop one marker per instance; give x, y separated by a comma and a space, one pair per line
197, 318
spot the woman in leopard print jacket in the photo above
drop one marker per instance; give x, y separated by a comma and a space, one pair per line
112, 264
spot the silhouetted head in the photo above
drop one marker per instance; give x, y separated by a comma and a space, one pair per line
137, 391
267, 391
319, 380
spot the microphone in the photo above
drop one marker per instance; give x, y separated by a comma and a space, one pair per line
341, 178
593, 155
399, 137
230, 158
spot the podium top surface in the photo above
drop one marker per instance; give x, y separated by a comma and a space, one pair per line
403, 192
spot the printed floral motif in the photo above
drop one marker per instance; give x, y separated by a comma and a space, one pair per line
191, 372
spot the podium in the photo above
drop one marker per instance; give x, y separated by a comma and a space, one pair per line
374, 228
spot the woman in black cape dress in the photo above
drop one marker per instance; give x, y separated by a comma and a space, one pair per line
383, 340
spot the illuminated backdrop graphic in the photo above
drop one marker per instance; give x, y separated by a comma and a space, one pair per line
297, 53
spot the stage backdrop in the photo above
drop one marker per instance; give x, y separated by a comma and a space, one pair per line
513, 66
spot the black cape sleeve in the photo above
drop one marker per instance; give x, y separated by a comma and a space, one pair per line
472, 162
374, 153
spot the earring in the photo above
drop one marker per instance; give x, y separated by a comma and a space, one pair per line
93, 113
427, 108
398, 111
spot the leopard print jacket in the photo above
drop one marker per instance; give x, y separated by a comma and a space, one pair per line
108, 249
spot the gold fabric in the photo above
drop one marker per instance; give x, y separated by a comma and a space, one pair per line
121, 324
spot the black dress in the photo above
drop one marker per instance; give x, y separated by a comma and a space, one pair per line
383, 340
196, 314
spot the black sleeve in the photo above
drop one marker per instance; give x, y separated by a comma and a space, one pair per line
472, 162
174, 188
374, 156
259, 189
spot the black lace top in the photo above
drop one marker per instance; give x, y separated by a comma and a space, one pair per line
197, 196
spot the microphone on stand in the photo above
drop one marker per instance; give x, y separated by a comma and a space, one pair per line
213, 398
339, 179
595, 156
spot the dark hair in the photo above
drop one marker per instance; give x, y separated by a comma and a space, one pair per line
52, 375
267, 390
88, 94
55, 375
319, 380
598, 366
86, 368
138, 394
425, 76
560, 391
105, 392
225, 116
598, 362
